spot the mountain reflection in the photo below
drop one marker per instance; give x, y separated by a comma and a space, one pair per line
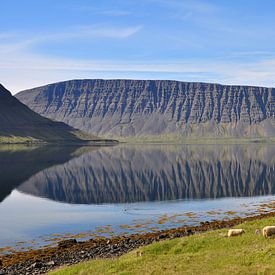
155, 173
20, 162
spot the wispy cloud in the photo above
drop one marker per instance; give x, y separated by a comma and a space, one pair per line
184, 16
94, 31
12, 41
100, 11
196, 6
111, 32
252, 54
114, 12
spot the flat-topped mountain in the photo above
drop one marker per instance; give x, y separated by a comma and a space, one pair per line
19, 124
122, 108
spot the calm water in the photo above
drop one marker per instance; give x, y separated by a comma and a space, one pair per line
51, 192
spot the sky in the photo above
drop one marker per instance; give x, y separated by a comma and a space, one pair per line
220, 41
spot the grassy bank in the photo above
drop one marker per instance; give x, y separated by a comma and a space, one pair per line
18, 140
10, 140
205, 253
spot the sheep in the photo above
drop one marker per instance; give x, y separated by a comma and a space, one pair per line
268, 231
235, 232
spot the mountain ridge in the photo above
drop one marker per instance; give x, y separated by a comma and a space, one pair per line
128, 108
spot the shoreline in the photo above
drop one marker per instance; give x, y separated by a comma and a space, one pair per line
64, 143
145, 140
70, 252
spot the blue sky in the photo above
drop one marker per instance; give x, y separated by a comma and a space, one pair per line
45, 41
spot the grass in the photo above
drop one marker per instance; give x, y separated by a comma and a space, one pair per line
80, 138
206, 253
17, 140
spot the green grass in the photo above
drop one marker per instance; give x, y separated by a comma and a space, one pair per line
206, 253
17, 140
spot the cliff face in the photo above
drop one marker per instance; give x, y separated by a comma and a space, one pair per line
132, 174
18, 123
156, 107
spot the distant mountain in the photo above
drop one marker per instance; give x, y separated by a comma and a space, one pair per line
120, 108
19, 124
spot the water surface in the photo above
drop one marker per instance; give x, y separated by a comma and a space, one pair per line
50, 192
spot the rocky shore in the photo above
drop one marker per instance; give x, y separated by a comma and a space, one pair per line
70, 252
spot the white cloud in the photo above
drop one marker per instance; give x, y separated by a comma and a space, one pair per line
99, 11
13, 42
114, 12
111, 32
195, 6
93, 31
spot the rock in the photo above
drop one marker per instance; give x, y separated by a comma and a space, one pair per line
36, 265
51, 263
154, 107
67, 243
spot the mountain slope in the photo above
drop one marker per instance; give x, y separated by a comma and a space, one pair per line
18, 123
156, 107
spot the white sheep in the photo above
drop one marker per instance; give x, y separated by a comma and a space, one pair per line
235, 232
268, 231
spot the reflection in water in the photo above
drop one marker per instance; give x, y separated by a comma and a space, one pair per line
156, 173
20, 162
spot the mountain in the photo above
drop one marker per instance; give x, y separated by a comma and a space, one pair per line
129, 174
19, 124
121, 108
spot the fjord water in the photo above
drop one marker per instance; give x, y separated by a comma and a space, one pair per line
58, 191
